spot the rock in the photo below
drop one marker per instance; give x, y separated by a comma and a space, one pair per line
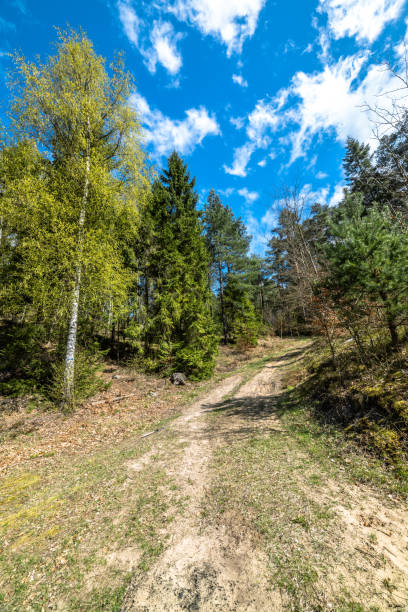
116, 376
178, 378
153, 393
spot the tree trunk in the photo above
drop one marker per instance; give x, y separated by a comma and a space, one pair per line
393, 331
262, 306
392, 327
224, 322
68, 390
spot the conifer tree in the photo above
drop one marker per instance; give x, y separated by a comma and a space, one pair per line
228, 244
179, 333
242, 322
368, 265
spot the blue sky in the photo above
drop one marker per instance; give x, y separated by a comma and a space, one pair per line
255, 94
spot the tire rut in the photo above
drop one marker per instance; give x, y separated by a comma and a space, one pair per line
204, 567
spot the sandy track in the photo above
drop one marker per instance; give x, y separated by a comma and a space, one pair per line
207, 568
204, 568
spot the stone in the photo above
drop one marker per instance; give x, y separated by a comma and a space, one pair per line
178, 378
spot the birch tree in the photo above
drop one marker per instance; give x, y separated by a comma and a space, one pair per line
78, 113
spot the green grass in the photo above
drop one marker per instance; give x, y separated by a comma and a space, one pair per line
59, 524
335, 451
273, 487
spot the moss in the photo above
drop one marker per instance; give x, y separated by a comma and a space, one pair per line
17, 519
386, 441
12, 487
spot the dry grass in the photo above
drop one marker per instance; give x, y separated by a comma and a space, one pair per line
75, 518
296, 491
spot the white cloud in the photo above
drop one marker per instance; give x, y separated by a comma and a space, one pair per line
226, 192
309, 196
364, 19
242, 155
333, 99
162, 44
164, 48
270, 218
130, 22
324, 195
238, 122
259, 233
165, 134
19, 4
261, 229
264, 117
321, 175
401, 49
231, 21
262, 163
249, 196
337, 196
239, 80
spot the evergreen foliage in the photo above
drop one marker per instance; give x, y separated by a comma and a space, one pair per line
228, 244
368, 266
242, 322
179, 332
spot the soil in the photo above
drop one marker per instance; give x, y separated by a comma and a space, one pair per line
209, 567
206, 568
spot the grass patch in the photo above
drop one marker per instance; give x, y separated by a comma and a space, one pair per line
61, 526
282, 489
335, 451
263, 480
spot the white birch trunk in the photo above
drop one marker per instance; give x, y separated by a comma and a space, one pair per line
69, 371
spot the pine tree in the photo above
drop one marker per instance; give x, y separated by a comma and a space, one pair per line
392, 166
180, 333
368, 265
379, 177
228, 243
358, 166
261, 288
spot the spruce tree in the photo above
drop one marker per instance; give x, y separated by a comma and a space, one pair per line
180, 333
242, 322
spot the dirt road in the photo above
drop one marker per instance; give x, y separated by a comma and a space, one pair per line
207, 566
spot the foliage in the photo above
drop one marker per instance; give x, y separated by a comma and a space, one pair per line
367, 260
69, 213
243, 325
178, 333
228, 243
89, 363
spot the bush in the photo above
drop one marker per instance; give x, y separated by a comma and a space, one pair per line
25, 362
88, 363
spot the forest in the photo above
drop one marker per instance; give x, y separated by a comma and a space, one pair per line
104, 255
120, 488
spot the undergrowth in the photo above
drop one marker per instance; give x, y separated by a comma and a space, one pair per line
367, 399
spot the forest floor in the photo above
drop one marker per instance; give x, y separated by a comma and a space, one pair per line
237, 501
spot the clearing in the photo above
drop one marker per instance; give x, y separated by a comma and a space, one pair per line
238, 502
